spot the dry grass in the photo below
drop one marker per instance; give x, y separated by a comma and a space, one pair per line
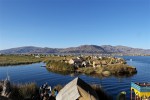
59, 66
1, 88
6, 60
22, 91
101, 94
58, 58
88, 70
113, 69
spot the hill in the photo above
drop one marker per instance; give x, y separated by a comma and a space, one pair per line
83, 49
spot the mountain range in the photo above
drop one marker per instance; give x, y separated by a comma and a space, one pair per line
83, 49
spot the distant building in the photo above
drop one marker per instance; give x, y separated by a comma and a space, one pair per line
81, 58
96, 63
103, 62
75, 61
85, 64
37, 56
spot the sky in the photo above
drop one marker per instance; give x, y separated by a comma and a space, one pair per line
70, 23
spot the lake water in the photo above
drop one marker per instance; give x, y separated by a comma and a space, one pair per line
111, 85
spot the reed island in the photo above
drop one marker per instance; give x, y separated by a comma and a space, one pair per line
90, 65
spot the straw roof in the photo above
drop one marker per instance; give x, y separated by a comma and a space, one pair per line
77, 89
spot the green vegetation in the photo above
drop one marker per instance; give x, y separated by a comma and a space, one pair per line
6, 60
59, 66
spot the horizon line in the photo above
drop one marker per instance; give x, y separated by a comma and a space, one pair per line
73, 46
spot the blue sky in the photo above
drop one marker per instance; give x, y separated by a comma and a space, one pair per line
68, 23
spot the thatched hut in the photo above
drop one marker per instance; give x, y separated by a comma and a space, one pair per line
77, 90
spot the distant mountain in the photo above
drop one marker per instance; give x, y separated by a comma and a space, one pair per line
125, 50
29, 49
83, 49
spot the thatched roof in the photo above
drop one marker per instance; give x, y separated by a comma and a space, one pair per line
77, 89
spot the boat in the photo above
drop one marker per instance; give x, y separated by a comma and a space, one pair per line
140, 90
43, 66
131, 60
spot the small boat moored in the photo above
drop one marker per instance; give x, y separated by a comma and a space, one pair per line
43, 66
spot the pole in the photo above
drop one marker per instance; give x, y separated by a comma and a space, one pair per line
131, 94
135, 97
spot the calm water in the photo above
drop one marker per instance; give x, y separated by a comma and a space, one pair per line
111, 85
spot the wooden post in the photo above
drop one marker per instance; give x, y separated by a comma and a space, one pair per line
135, 97
131, 94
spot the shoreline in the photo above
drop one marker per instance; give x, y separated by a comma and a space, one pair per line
127, 71
21, 63
12, 60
